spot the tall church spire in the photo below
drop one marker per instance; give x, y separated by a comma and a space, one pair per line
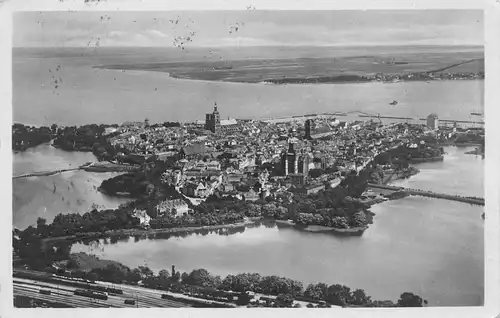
215, 107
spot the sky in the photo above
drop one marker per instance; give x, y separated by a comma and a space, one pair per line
255, 28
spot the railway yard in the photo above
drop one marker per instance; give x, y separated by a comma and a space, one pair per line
61, 293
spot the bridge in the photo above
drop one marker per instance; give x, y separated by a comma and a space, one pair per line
430, 194
89, 167
44, 173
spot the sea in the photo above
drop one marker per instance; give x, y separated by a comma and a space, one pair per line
431, 247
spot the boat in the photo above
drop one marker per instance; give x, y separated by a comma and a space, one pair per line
393, 103
476, 114
217, 68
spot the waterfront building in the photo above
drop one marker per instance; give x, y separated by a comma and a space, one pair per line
143, 217
433, 121
175, 207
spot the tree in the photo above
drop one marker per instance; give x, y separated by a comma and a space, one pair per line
164, 274
317, 291
410, 300
335, 295
145, 272
133, 276
185, 277
284, 300
201, 277
243, 299
40, 222
92, 276
281, 212
269, 210
359, 297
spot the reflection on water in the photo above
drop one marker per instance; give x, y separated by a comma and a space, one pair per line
401, 247
428, 246
431, 247
106, 96
48, 196
458, 173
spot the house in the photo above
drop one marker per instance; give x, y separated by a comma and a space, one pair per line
176, 207
143, 217
308, 189
251, 195
213, 165
192, 151
193, 189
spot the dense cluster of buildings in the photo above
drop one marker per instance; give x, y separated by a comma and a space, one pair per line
255, 159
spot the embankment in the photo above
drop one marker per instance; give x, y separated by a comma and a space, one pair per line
145, 232
354, 231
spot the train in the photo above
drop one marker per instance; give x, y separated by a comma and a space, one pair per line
70, 281
73, 279
91, 294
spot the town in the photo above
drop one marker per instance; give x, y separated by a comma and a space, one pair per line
314, 173
275, 161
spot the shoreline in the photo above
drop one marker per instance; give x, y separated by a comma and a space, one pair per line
270, 82
143, 232
354, 231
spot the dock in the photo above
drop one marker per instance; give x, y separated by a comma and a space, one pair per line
360, 114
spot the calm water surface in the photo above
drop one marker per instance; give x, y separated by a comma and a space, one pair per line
89, 95
428, 246
47, 196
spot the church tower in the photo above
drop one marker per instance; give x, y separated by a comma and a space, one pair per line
307, 127
216, 115
212, 121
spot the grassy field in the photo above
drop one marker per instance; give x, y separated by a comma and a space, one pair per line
88, 262
258, 70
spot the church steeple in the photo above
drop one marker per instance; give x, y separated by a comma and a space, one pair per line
216, 115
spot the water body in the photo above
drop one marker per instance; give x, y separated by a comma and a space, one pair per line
427, 246
89, 95
47, 196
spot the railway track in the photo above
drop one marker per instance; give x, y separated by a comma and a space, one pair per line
65, 294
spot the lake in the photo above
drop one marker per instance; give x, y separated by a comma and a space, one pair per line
428, 246
47, 196
431, 247
89, 95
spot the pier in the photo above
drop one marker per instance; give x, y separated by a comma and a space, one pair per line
360, 114
430, 194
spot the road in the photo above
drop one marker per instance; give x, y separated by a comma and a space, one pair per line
64, 294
